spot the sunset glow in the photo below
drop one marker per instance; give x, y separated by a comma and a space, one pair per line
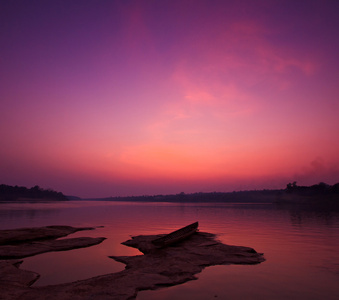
110, 98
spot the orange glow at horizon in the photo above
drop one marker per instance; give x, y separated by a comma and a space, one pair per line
143, 97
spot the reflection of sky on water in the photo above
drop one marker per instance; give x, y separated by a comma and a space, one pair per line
22, 217
300, 246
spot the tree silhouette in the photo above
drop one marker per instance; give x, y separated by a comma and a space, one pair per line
8, 192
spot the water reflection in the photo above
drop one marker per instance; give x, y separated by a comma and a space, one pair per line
300, 245
300, 217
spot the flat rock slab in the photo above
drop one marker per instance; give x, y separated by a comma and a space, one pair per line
24, 242
33, 248
15, 236
155, 269
10, 274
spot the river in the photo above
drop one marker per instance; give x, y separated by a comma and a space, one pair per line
300, 245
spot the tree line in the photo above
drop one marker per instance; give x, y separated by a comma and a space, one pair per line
8, 192
316, 189
251, 196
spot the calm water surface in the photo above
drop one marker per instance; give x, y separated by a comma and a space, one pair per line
300, 247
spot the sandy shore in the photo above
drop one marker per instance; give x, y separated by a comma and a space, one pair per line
155, 269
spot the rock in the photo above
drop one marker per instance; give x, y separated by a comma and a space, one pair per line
11, 274
179, 263
29, 249
24, 242
15, 236
155, 269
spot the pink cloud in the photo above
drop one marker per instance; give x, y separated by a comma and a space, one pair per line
240, 53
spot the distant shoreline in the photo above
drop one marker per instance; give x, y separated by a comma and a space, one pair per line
321, 193
293, 194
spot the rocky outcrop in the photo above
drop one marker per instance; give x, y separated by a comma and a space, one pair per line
11, 274
155, 269
16, 236
24, 242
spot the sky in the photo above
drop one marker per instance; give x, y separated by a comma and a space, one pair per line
117, 98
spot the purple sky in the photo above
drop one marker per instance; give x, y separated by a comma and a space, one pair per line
108, 98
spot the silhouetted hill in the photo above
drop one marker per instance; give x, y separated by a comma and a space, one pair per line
14, 193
